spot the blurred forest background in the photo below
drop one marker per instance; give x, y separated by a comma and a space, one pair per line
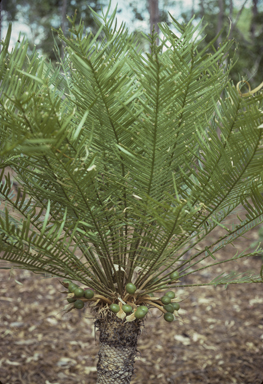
242, 20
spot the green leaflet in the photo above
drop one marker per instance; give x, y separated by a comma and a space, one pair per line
210, 253
126, 158
235, 277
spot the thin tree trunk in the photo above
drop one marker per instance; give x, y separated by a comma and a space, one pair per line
154, 17
253, 24
202, 8
118, 346
64, 10
220, 20
0, 24
63, 23
231, 18
193, 8
236, 20
231, 9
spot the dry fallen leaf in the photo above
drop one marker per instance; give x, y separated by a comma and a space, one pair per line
87, 370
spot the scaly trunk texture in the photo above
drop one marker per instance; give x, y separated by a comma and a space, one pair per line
118, 343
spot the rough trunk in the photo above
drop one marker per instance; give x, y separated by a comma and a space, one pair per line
118, 343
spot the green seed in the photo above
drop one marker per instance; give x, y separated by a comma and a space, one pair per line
166, 300
79, 292
66, 281
176, 306
71, 300
174, 276
150, 294
114, 308
139, 314
72, 287
127, 308
88, 293
169, 317
169, 308
170, 294
79, 304
130, 288
143, 308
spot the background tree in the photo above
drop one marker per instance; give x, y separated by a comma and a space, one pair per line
41, 15
153, 12
121, 167
220, 21
0, 21
154, 16
246, 30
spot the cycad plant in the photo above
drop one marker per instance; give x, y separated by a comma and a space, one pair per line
125, 160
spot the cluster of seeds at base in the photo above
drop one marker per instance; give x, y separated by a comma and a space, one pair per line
78, 294
142, 310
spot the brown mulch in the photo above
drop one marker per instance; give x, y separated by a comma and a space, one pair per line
219, 341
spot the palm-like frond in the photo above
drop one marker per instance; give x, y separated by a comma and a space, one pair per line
125, 158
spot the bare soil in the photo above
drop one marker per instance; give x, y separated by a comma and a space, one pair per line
219, 341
